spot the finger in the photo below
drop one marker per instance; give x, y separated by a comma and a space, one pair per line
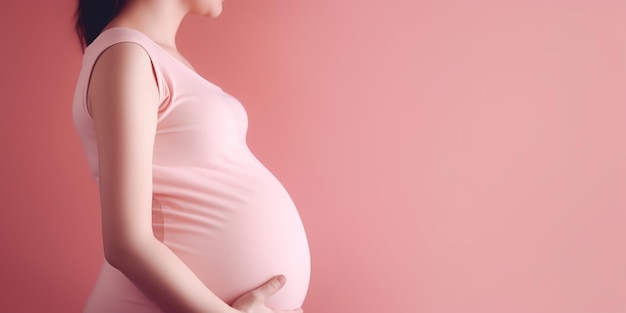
291, 311
270, 287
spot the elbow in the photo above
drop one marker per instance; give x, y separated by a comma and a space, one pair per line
116, 254
121, 254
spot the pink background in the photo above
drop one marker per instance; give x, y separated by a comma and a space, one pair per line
446, 156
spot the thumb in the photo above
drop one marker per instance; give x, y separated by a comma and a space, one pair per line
270, 287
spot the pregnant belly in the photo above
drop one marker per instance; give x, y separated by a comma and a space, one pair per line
247, 254
237, 235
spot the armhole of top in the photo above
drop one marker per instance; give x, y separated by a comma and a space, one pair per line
158, 76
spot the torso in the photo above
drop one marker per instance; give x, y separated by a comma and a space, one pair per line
214, 204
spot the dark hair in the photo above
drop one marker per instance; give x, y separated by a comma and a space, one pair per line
92, 16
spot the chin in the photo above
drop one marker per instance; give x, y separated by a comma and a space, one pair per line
208, 8
214, 11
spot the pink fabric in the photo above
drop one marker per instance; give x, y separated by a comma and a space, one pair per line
214, 204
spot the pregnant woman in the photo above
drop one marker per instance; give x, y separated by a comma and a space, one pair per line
191, 220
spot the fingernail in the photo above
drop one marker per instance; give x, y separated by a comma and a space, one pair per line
282, 279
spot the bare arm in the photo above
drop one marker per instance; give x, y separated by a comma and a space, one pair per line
123, 98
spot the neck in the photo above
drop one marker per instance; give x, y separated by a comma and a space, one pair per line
159, 20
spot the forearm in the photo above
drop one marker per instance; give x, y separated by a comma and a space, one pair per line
165, 279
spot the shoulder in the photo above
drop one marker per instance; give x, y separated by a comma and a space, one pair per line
123, 72
121, 51
119, 58
123, 58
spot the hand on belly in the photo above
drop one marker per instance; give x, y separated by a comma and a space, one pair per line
254, 300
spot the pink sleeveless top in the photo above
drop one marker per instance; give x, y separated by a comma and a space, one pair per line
214, 204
